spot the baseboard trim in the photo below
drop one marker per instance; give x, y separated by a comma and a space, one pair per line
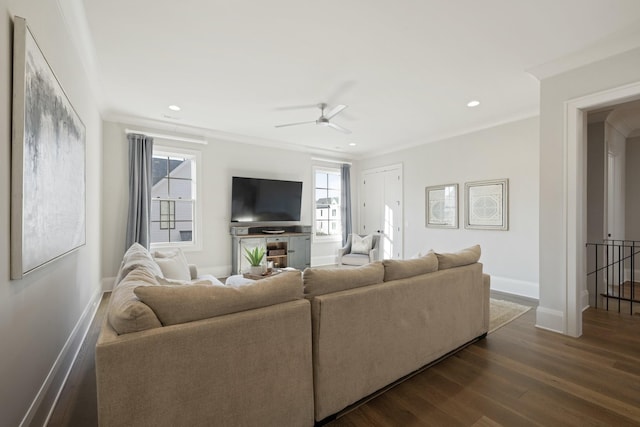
550, 319
107, 284
43, 404
585, 299
514, 286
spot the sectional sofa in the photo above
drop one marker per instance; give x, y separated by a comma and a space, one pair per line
289, 350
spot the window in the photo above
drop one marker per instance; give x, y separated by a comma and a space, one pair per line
327, 189
173, 198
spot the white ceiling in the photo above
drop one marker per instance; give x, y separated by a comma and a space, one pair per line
406, 69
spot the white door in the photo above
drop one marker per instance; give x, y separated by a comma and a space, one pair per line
381, 208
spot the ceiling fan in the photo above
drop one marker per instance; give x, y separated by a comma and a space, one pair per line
324, 118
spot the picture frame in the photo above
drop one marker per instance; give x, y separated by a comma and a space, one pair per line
487, 205
48, 189
441, 206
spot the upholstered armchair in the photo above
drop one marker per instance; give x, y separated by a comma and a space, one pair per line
348, 256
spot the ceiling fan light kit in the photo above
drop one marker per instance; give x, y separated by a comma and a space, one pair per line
324, 119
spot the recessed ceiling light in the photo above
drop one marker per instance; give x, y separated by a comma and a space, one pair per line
174, 108
473, 103
353, 144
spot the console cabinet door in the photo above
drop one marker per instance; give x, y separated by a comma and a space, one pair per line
249, 244
300, 252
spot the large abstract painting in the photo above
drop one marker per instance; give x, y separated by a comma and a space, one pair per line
48, 162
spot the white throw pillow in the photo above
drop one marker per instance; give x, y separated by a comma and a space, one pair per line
361, 245
173, 264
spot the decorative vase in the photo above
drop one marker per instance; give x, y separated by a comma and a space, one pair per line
256, 270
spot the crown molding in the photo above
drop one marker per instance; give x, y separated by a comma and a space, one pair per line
617, 43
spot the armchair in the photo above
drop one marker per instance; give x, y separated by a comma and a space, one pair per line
347, 258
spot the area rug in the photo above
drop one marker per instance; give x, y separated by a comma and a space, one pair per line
502, 312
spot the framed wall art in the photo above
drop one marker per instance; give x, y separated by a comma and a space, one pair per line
441, 206
48, 162
486, 204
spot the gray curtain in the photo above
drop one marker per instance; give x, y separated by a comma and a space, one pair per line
140, 161
345, 202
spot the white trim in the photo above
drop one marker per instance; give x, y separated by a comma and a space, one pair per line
169, 137
550, 319
332, 237
196, 156
341, 162
585, 299
574, 186
514, 286
615, 44
76, 338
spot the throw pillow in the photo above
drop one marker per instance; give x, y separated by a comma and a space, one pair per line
457, 259
320, 281
361, 245
173, 264
400, 269
188, 303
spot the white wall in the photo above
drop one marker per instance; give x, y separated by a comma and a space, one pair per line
220, 161
614, 72
52, 306
506, 151
632, 217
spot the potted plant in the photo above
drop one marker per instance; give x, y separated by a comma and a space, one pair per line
254, 256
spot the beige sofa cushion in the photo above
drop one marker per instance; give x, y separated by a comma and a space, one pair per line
187, 303
464, 257
399, 269
126, 313
137, 256
320, 281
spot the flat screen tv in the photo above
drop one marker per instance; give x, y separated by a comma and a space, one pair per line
265, 200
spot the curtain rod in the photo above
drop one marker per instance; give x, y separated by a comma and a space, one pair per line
170, 137
330, 160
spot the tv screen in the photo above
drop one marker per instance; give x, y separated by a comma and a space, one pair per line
265, 200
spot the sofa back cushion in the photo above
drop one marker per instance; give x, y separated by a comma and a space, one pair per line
137, 256
126, 313
320, 281
400, 269
464, 257
176, 304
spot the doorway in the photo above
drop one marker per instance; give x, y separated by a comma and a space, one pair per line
575, 220
381, 208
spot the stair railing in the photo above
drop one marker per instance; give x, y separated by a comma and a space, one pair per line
613, 262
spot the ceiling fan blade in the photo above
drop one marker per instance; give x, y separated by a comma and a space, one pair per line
295, 124
296, 107
338, 127
335, 110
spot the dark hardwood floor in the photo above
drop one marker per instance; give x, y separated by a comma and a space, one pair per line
517, 376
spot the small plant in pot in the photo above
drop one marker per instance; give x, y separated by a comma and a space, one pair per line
254, 256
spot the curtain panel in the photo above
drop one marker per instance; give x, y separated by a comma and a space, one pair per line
345, 202
140, 179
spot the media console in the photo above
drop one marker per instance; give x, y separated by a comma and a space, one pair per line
286, 246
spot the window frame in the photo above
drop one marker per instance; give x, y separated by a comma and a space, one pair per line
314, 210
169, 150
